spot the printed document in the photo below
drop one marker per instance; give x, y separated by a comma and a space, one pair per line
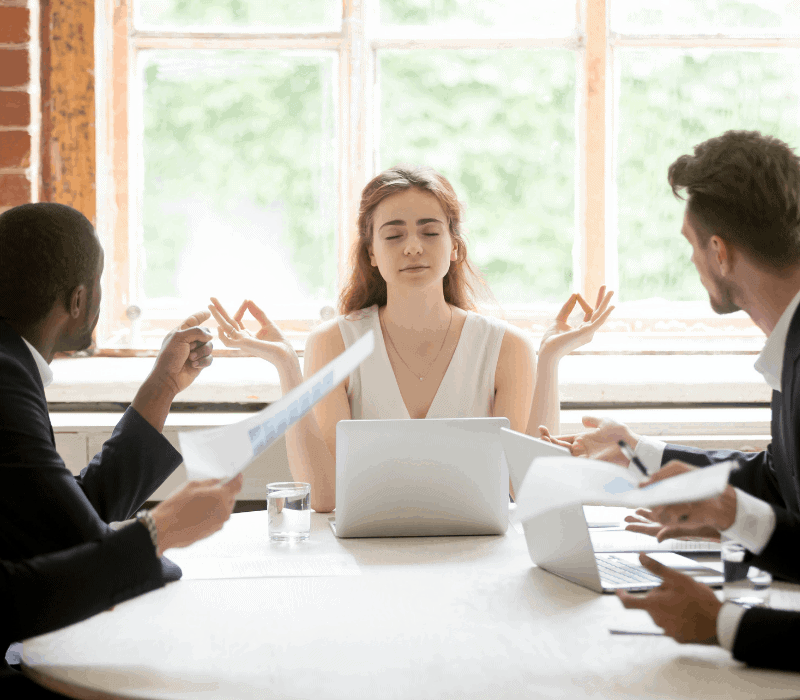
554, 483
221, 453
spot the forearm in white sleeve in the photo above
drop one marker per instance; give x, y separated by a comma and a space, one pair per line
754, 523
730, 615
650, 451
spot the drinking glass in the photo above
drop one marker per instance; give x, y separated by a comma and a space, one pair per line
289, 511
744, 584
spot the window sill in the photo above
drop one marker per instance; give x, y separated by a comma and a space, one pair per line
585, 380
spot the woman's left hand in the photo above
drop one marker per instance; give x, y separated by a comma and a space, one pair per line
561, 339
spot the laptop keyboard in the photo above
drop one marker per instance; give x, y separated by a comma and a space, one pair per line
617, 572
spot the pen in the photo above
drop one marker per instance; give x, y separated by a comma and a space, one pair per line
628, 452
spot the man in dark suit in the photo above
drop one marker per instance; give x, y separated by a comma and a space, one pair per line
742, 221
50, 274
690, 612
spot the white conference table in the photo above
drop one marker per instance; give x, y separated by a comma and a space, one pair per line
463, 617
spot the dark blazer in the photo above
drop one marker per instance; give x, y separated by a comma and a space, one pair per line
768, 638
45, 509
774, 474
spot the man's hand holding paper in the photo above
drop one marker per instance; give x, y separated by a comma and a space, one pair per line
220, 453
698, 518
553, 483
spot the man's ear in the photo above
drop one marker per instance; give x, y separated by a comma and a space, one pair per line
722, 254
78, 300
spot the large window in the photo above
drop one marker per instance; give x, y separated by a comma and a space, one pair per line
237, 137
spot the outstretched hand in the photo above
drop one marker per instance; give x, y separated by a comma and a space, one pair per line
268, 343
560, 338
645, 522
707, 517
600, 441
685, 609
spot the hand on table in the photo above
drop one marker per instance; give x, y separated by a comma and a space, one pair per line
685, 609
560, 338
198, 510
600, 442
268, 343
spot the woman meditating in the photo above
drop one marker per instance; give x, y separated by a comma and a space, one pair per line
435, 356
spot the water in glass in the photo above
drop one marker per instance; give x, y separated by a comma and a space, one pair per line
744, 584
289, 511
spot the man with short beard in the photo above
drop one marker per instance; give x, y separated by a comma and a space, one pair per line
742, 221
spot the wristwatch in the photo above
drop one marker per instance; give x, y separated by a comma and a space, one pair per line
146, 519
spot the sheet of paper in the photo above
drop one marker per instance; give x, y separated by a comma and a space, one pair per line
221, 453
626, 541
554, 483
606, 516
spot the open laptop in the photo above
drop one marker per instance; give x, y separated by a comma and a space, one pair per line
559, 542
410, 478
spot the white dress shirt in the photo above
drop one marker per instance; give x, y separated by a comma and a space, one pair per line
755, 520
41, 364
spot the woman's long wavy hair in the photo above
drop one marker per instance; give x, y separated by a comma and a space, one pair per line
462, 284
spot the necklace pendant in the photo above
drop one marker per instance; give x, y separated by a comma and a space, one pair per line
421, 378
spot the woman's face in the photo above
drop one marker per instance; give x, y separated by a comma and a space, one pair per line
411, 242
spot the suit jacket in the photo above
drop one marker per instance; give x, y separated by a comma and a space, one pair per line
768, 638
45, 509
774, 474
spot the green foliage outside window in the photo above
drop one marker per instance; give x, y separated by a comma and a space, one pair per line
236, 128
500, 126
670, 100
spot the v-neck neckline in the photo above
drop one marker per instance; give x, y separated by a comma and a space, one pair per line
388, 362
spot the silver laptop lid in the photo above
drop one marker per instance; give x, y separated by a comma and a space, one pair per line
522, 449
405, 478
559, 541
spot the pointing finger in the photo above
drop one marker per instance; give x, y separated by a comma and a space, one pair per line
222, 312
221, 320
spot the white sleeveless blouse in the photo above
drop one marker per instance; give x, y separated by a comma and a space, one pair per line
466, 391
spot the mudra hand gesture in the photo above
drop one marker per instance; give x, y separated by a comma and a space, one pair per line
560, 338
268, 343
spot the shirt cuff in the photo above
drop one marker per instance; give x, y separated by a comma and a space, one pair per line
754, 522
650, 452
730, 615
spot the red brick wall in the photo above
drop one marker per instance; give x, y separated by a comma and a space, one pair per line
15, 104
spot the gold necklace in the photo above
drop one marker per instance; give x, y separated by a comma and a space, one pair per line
433, 362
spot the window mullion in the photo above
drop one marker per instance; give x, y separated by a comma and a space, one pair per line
592, 257
354, 123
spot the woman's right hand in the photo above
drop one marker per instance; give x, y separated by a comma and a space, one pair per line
269, 343
198, 510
